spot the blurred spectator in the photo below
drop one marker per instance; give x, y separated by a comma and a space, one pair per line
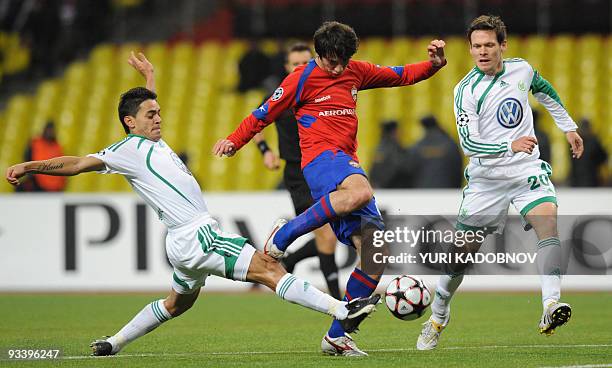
389, 169
435, 160
57, 31
92, 23
42, 148
543, 141
67, 43
41, 33
276, 71
253, 67
585, 171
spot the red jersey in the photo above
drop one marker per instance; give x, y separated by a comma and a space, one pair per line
325, 105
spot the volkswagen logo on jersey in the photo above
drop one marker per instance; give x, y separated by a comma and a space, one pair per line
278, 93
177, 160
510, 113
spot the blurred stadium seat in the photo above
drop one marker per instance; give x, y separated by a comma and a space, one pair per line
196, 87
19, 60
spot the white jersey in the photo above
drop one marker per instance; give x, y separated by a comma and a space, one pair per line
158, 176
494, 111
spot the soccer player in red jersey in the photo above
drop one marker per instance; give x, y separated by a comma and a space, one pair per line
323, 94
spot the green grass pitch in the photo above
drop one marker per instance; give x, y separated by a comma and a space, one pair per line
258, 329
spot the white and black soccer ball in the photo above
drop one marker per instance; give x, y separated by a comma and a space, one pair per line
407, 297
463, 119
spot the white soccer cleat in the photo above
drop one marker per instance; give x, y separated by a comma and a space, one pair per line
269, 246
342, 345
555, 314
430, 334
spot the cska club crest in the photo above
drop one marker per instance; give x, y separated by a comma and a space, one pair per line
354, 93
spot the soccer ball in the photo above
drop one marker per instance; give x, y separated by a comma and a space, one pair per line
407, 297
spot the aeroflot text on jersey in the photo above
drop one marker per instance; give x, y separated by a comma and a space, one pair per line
337, 112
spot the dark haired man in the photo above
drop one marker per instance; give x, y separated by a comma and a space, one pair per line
196, 246
324, 96
324, 243
495, 126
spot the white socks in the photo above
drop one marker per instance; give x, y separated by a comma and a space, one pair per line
549, 268
298, 291
289, 287
145, 321
440, 308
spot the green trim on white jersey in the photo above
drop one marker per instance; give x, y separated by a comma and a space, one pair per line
539, 84
495, 111
478, 147
156, 177
162, 178
114, 145
477, 81
462, 84
138, 136
486, 92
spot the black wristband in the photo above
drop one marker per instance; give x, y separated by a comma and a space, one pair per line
263, 147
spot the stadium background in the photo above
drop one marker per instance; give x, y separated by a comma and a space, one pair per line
196, 47
75, 77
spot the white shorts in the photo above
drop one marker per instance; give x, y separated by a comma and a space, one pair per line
199, 248
491, 189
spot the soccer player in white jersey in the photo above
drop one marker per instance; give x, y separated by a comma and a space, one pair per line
496, 132
195, 244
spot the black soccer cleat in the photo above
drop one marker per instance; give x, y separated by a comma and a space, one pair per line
359, 309
101, 347
555, 314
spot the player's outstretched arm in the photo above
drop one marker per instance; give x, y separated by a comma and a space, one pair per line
375, 76
144, 67
283, 98
546, 95
59, 166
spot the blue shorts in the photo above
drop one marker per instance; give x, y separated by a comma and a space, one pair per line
323, 175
